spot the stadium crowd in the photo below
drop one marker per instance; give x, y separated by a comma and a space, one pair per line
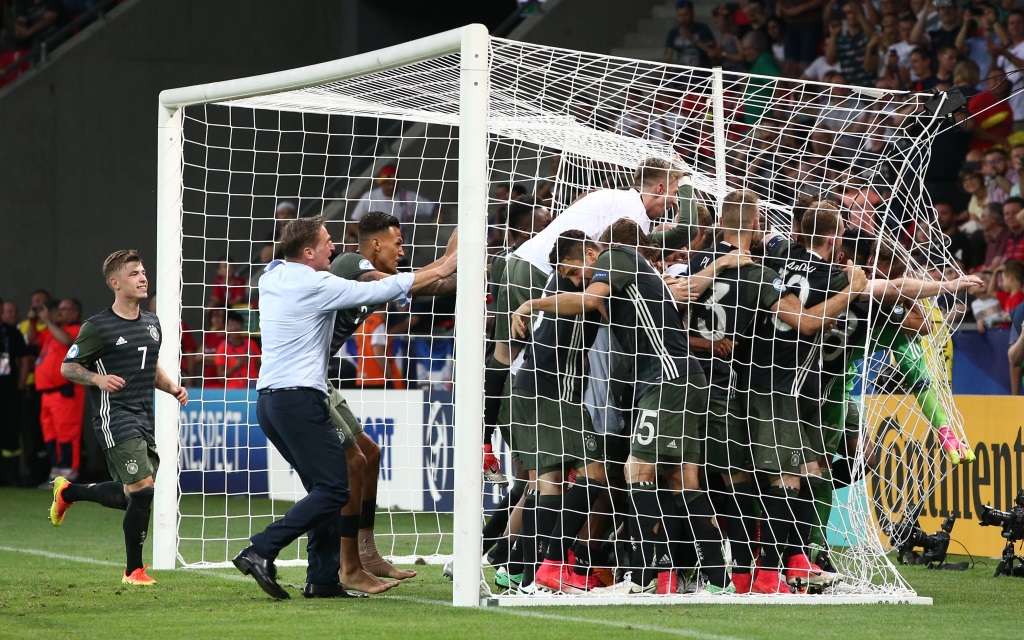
25, 25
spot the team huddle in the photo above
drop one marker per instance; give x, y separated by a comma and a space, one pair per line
652, 416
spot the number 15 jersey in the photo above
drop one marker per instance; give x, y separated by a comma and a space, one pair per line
111, 345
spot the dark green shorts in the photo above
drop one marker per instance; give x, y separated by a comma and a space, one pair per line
344, 420
132, 461
727, 444
565, 436
504, 422
523, 414
777, 443
667, 424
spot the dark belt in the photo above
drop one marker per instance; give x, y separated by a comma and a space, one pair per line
267, 392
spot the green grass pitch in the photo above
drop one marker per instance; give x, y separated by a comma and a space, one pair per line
65, 582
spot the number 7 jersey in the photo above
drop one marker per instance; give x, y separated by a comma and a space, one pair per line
111, 345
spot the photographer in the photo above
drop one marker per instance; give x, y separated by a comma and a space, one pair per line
61, 402
14, 367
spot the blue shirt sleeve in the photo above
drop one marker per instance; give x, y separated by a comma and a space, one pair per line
334, 293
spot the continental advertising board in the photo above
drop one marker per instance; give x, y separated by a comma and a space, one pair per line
912, 461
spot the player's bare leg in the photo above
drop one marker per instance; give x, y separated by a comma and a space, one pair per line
352, 575
372, 561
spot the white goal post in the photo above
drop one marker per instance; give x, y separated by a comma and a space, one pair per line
472, 42
476, 111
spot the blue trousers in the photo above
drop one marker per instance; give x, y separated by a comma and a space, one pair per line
298, 424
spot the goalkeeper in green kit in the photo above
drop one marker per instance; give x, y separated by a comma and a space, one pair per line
850, 343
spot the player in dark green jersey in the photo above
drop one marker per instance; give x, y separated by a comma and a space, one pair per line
115, 356
722, 318
526, 218
784, 453
547, 401
890, 322
670, 390
379, 254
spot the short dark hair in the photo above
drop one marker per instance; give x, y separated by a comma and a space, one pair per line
1015, 268
44, 292
858, 246
520, 214
924, 52
517, 190
116, 261
76, 303
376, 221
300, 234
568, 246
1017, 200
234, 315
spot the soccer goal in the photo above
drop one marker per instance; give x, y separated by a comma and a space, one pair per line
456, 115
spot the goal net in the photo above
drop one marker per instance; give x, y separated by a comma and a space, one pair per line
439, 131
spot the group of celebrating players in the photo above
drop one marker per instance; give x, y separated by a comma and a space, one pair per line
655, 409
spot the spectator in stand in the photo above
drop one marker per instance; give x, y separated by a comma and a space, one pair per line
238, 357
880, 55
62, 401
966, 76
1005, 284
727, 53
958, 244
820, 69
212, 339
977, 33
923, 10
1015, 240
997, 171
992, 117
36, 21
946, 58
405, 204
40, 298
774, 30
15, 363
753, 16
689, 43
973, 183
920, 66
848, 47
1010, 52
1015, 354
1017, 162
996, 234
229, 288
906, 44
946, 31
756, 51
802, 36
375, 364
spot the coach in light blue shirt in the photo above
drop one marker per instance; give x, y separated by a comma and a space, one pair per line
298, 301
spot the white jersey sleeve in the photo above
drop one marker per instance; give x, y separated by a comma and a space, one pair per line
591, 214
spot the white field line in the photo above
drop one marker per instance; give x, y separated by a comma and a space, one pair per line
682, 633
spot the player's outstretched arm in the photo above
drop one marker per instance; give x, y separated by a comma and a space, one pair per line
428, 276
78, 374
164, 383
563, 304
891, 291
700, 281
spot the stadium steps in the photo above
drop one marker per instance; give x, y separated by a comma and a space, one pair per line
646, 40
